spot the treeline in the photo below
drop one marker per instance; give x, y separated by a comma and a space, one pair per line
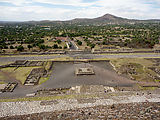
136, 35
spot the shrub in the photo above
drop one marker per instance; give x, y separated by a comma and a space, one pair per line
55, 46
20, 48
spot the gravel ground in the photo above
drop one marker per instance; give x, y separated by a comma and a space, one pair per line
30, 107
134, 111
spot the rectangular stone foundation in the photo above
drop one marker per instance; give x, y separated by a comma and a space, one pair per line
84, 71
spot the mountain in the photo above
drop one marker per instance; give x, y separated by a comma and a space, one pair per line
103, 20
107, 18
110, 19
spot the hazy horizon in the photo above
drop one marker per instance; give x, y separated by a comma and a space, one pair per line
61, 10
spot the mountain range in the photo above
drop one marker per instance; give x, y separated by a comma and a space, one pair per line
105, 19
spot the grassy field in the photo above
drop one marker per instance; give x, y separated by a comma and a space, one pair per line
118, 62
10, 74
17, 74
43, 80
5, 63
130, 54
50, 98
69, 96
139, 65
2, 82
63, 59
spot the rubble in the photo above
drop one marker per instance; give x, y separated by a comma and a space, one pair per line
91, 89
145, 110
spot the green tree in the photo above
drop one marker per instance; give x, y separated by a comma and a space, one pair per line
20, 48
59, 41
42, 46
79, 42
65, 47
55, 46
29, 47
11, 47
92, 45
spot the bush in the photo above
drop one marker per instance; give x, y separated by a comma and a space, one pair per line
65, 47
29, 47
42, 47
5, 47
58, 41
20, 48
79, 42
11, 47
60, 47
55, 46
1, 46
92, 45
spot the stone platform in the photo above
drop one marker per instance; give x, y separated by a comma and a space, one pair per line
84, 71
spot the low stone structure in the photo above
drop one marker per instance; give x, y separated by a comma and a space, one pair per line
91, 89
84, 71
34, 76
53, 91
19, 62
8, 87
2, 86
25, 63
34, 63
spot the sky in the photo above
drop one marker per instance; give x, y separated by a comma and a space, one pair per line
27, 10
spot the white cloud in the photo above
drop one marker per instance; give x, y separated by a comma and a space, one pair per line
66, 2
135, 9
17, 2
32, 13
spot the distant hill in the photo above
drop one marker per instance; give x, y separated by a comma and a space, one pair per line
110, 19
105, 19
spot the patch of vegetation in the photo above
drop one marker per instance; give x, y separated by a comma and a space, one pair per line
48, 65
49, 98
63, 58
147, 88
55, 46
43, 80
20, 73
26, 36
20, 48
79, 42
2, 82
136, 68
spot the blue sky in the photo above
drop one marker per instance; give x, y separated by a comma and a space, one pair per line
24, 10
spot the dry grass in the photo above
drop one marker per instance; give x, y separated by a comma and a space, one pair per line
48, 65
43, 80
83, 46
5, 63
19, 74
48, 41
141, 67
63, 59
120, 61
2, 82
49, 98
